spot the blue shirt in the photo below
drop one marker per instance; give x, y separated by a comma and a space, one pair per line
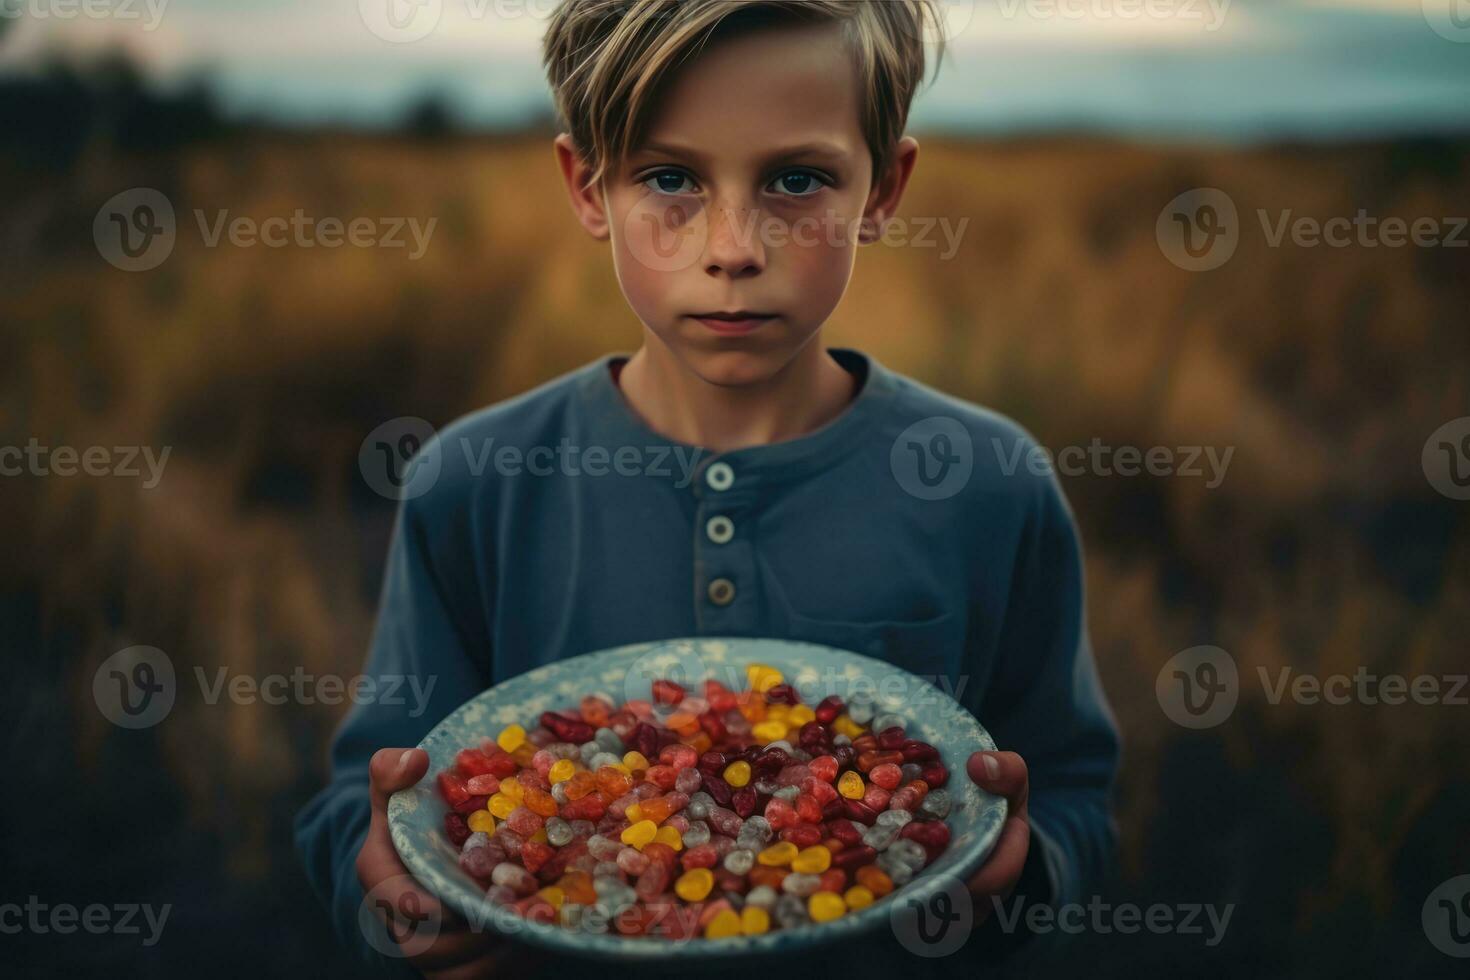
910, 528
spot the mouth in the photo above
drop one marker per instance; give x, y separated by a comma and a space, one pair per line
734, 322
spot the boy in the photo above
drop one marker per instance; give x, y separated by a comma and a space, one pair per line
705, 137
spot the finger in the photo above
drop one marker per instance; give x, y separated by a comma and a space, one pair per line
392, 770
1004, 774
999, 874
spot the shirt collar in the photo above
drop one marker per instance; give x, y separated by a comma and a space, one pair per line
612, 422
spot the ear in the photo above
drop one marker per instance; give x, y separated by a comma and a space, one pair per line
888, 190
587, 202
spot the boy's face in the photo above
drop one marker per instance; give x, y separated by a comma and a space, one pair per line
751, 193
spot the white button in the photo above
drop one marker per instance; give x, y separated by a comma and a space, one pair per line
719, 528
719, 476
722, 592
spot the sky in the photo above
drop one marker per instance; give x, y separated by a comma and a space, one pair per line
1217, 69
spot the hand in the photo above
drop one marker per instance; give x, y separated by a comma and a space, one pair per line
455, 951
1004, 774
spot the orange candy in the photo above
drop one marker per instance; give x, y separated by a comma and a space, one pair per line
875, 880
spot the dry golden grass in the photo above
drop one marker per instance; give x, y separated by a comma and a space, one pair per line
1325, 368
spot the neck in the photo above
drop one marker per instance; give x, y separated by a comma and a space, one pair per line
810, 391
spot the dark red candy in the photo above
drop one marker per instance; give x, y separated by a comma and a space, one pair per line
456, 829
502, 766
844, 830
829, 708
590, 807
930, 833
720, 791
935, 775
743, 801
845, 755
916, 751
860, 811
644, 740
813, 736
771, 760
712, 763
891, 738
573, 730
713, 727
854, 857
833, 810
782, 694
472, 804
534, 854
667, 692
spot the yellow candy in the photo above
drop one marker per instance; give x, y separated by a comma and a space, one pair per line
500, 805
737, 773
669, 836
754, 920
843, 725
777, 712
765, 731
512, 790
800, 714
858, 897
826, 906
851, 785
554, 896
640, 834
561, 770
694, 884
620, 767
778, 854
634, 760
511, 738
634, 813
724, 925
762, 677
481, 820
812, 860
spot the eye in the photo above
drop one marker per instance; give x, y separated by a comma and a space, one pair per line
799, 183
667, 182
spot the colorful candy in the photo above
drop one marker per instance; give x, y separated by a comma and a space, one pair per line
700, 811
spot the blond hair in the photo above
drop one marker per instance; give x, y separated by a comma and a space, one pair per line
606, 61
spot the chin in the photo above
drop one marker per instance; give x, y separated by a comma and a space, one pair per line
737, 368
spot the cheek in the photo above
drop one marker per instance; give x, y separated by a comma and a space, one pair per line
821, 261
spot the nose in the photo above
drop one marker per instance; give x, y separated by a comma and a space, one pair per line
735, 248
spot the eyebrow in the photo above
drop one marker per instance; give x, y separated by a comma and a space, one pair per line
832, 151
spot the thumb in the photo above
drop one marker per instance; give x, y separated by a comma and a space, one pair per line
1004, 774
392, 770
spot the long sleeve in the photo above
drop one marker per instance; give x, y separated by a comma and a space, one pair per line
422, 644
1046, 703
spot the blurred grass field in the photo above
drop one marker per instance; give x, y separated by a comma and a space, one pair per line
1324, 548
